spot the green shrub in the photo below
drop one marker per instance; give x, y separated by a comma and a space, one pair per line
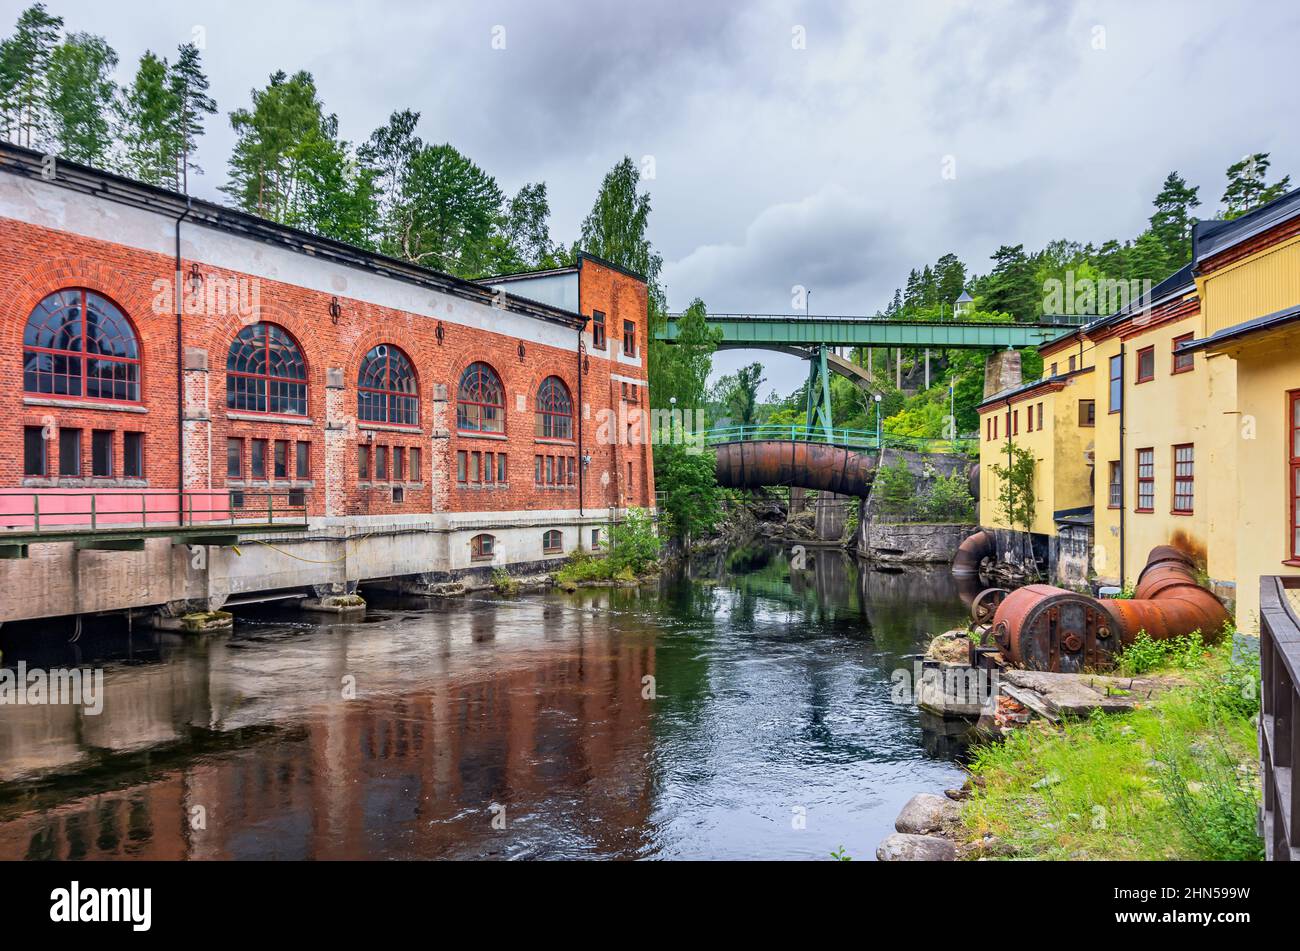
504, 582
633, 543
1217, 811
1178, 653
895, 486
949, 499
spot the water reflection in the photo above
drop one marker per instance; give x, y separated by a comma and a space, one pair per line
718, 715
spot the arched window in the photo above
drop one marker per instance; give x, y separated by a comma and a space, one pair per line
554, 410
265, 372
386, 389
482, 547
78, 343
480, 401
552, 542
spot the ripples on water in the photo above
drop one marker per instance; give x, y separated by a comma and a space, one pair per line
771, 710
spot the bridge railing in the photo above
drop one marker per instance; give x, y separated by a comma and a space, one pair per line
63, 512
1279, 738
848, 438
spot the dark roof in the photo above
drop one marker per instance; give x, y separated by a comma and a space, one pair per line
28, 163
1175, 285
1214, 237
1246, 328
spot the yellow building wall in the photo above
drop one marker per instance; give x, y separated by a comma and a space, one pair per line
1061, 476
1261, 284
1266, 369
1171, 409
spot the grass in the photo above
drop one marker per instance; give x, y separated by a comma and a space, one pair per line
1174, 779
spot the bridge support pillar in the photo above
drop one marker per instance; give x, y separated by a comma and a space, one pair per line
1001, 371
819, 394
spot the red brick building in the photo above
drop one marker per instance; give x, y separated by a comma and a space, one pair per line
488, 420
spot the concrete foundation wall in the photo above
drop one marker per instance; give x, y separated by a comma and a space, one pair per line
911, 543
58, 580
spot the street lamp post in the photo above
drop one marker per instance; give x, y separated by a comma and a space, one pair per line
879, 429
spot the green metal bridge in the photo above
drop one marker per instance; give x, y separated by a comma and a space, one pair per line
815, 339
859, 440
776, 332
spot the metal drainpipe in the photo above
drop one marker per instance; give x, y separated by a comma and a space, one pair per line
180, 374
1123, 483
578, 411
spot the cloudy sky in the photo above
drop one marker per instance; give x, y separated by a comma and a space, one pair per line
785, 143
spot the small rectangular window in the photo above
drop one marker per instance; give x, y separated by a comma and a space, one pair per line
1146, 480
1115, 496
133, 455
34, 463
537, 470
1183, 361
416, 472
1116, 382
475, 459
595, 538
363, 463
258, 459
297, 498
381, 463
629, 338
234, 459
69, 452
281, 459
489, 466
550, 470
302, 468
461, 466
501, 468
598, 330
399, 464
1072, 363
1184, 479
1040, 416
573, 470
1053, 369
399, 494
1146, 365
101, 453
1087, 412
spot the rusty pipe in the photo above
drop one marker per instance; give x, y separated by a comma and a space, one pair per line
1041, 627
756, 463
972, 551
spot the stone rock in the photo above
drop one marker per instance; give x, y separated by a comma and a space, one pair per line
950, 648
989, 847
904, 847
926, 813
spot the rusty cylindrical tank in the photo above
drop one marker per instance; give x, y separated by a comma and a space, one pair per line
1041, 627
760, 462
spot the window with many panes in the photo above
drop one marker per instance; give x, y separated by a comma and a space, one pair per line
265, 372
629, 338
1116, 486
79, 344
552, 542
598, 330
480, 401
554, 417
1146, 480
69, 452
386, 388
1184, 478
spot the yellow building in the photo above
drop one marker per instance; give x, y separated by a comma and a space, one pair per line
1195, 418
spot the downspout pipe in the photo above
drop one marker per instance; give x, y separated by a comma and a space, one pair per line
1123, 463
582, 466
177, 294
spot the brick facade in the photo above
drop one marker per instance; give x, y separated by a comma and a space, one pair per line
37, 260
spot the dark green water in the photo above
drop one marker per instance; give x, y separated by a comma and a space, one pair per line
716, 715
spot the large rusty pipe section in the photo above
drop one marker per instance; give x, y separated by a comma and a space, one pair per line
1041, 627
756, 463
972, 552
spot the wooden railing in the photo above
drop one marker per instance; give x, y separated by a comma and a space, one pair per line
1279, 740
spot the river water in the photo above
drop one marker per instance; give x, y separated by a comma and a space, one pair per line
720, 714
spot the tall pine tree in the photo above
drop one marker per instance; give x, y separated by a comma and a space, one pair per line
81, 96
